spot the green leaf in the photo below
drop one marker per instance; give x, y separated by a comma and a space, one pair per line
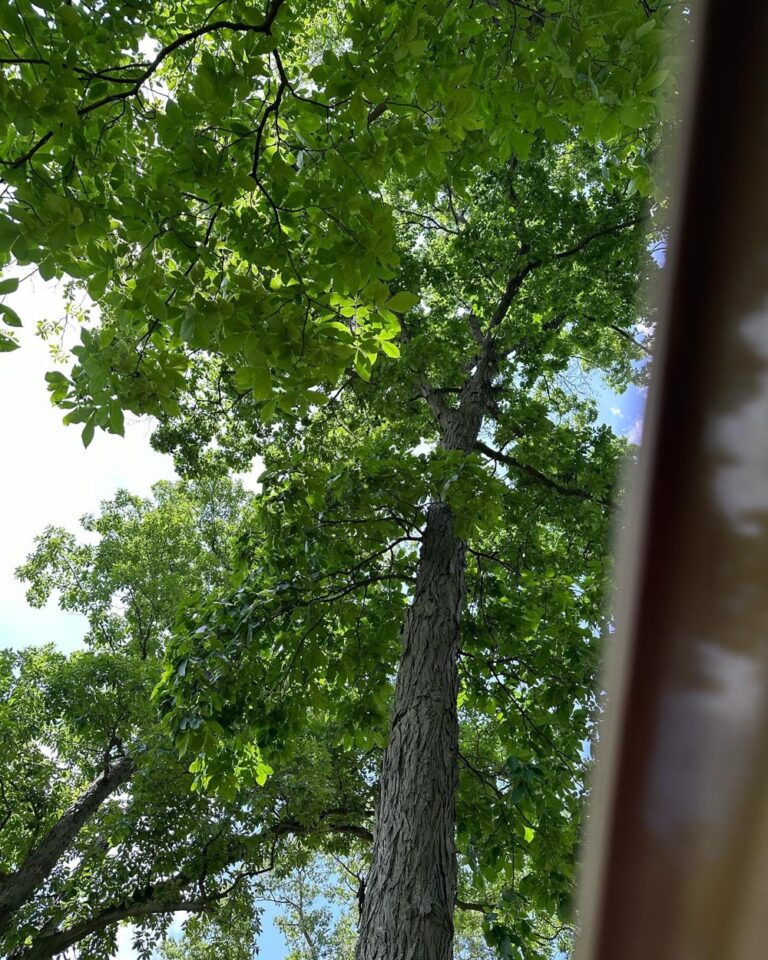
402, 302
263, 773
98, 284
262, 383
47, 268
655, 80
645, 29
87, 434
116, 420
9, 286
363, 366
10, 317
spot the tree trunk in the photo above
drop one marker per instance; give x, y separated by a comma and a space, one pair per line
409, 901
19, 886
411, 893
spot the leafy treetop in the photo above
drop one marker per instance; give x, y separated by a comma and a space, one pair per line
218, 178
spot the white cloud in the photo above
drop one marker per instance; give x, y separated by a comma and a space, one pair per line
635, 432
47, 476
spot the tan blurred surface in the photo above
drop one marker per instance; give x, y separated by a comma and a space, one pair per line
677, 861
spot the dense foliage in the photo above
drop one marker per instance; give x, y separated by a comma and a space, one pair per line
220, 179
393, 249
154, 845
312, 624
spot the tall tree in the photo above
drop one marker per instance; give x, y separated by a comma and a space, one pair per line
456, 505
253, 206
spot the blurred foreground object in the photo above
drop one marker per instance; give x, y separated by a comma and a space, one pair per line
677, 859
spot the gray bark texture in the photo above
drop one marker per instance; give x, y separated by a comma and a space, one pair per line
411, 891
409, 900
19, 886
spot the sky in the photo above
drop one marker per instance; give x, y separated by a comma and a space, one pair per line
48, 477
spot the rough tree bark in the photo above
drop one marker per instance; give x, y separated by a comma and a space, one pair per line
17, 887
409, 899
411, 891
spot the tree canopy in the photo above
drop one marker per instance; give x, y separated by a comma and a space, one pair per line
393, 249
148, 844
226, 180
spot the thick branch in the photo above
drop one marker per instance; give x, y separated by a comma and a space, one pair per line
375, 112
603, 232
516, 280
440, 409
264, 27
295, 828
472, 905
54, 944
171, 895
628, 336
460, 425
19, 886
510, 292
273, 108
537, 475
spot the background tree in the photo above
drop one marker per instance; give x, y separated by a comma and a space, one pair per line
100, 824
231, 935
317, 903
